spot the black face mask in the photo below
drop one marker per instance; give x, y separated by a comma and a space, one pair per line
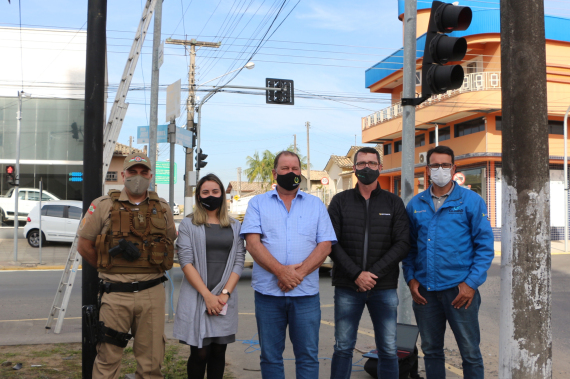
212, 203
367, 175
289, 181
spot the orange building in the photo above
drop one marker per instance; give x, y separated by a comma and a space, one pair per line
468, 120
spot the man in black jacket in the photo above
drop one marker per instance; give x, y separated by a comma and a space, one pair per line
371, 227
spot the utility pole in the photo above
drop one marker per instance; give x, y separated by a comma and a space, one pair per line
190, 104
239, 181
93, 151
308, 124
152, 129
408, 140
295, 143
525, 342
130, 144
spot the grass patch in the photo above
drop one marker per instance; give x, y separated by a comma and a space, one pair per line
63, 361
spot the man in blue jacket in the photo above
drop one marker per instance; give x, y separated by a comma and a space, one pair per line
451, 249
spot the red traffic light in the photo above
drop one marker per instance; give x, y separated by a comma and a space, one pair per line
10, 170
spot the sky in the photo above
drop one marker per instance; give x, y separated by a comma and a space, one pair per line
324, 46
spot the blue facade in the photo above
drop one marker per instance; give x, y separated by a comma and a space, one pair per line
485, 20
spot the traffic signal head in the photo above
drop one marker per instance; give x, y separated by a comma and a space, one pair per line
10, 174
441, 49
200, 163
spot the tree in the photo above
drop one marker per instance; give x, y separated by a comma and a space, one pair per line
259, 169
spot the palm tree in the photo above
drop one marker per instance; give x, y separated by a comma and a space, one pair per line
260, 168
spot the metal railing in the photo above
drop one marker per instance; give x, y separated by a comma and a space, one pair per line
479, 81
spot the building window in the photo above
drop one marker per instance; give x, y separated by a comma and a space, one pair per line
397, 146
469, 127
443, 134
420, 140
555, 127
387, 149
111, 176
499, 123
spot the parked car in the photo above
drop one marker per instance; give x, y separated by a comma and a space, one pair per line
176, 210
60, 220
28, 198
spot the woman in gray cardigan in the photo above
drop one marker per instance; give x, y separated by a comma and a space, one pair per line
211, 254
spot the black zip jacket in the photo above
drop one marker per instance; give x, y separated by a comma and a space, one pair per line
388, 237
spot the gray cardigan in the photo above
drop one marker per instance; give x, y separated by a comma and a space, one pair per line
192, 323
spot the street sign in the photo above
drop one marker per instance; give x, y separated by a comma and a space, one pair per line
325, 181
173, 101
183, 137
161, 134
162, 175
286, 94
459, 178
274, 185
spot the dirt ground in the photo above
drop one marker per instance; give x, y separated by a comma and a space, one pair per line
63, 361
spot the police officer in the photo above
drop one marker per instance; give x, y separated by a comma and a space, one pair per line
128, 236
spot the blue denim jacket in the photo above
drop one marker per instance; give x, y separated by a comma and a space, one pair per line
452, 245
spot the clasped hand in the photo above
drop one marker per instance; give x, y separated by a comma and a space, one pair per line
365, 281
289, 277
214, 304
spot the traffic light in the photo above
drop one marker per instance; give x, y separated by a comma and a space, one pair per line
285, 94
10, 174
74, 131
200, 160
441, 49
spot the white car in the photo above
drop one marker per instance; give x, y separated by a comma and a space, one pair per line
175, 210
27, 199
60, 220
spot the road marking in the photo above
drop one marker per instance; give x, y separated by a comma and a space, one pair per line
327, 305
40, 319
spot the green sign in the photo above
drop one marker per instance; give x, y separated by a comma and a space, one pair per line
163, 173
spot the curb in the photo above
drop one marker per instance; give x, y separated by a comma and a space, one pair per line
38, 267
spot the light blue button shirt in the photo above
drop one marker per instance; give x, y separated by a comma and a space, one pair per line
289, 236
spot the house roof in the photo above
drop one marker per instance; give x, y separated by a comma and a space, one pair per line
315, 175
245, 186
125, 150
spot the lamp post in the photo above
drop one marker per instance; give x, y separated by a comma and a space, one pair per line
17, 176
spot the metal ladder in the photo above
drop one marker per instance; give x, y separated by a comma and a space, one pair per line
110, 133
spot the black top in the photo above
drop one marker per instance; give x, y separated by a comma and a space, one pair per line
218, 245
386, 221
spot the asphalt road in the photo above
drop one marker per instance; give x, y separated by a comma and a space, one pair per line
28, 295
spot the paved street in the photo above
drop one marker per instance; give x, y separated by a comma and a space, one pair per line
27, 297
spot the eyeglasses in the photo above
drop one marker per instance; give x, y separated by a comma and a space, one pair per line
361, 165
435, 166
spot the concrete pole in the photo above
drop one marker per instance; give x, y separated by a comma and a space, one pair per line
154, 91
239, 181
190, 103
408, 140
17, 176
308, 124
525, 342
566, 180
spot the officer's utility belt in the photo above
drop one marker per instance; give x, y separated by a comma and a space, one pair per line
130, 287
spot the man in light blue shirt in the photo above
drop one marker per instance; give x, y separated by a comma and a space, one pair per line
289, 235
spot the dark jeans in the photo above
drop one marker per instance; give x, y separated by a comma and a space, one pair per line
431, 319
348, 308
303, 315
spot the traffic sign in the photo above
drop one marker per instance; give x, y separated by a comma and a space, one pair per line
163, 173
274, 185
459, 178
184, 137
173, 101
325, 181
161, 134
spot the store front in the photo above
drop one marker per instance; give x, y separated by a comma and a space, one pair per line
51, 144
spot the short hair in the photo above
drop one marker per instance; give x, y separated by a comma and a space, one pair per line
367, 150
441, 150
285, 152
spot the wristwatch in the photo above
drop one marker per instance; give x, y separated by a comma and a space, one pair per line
226, 292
